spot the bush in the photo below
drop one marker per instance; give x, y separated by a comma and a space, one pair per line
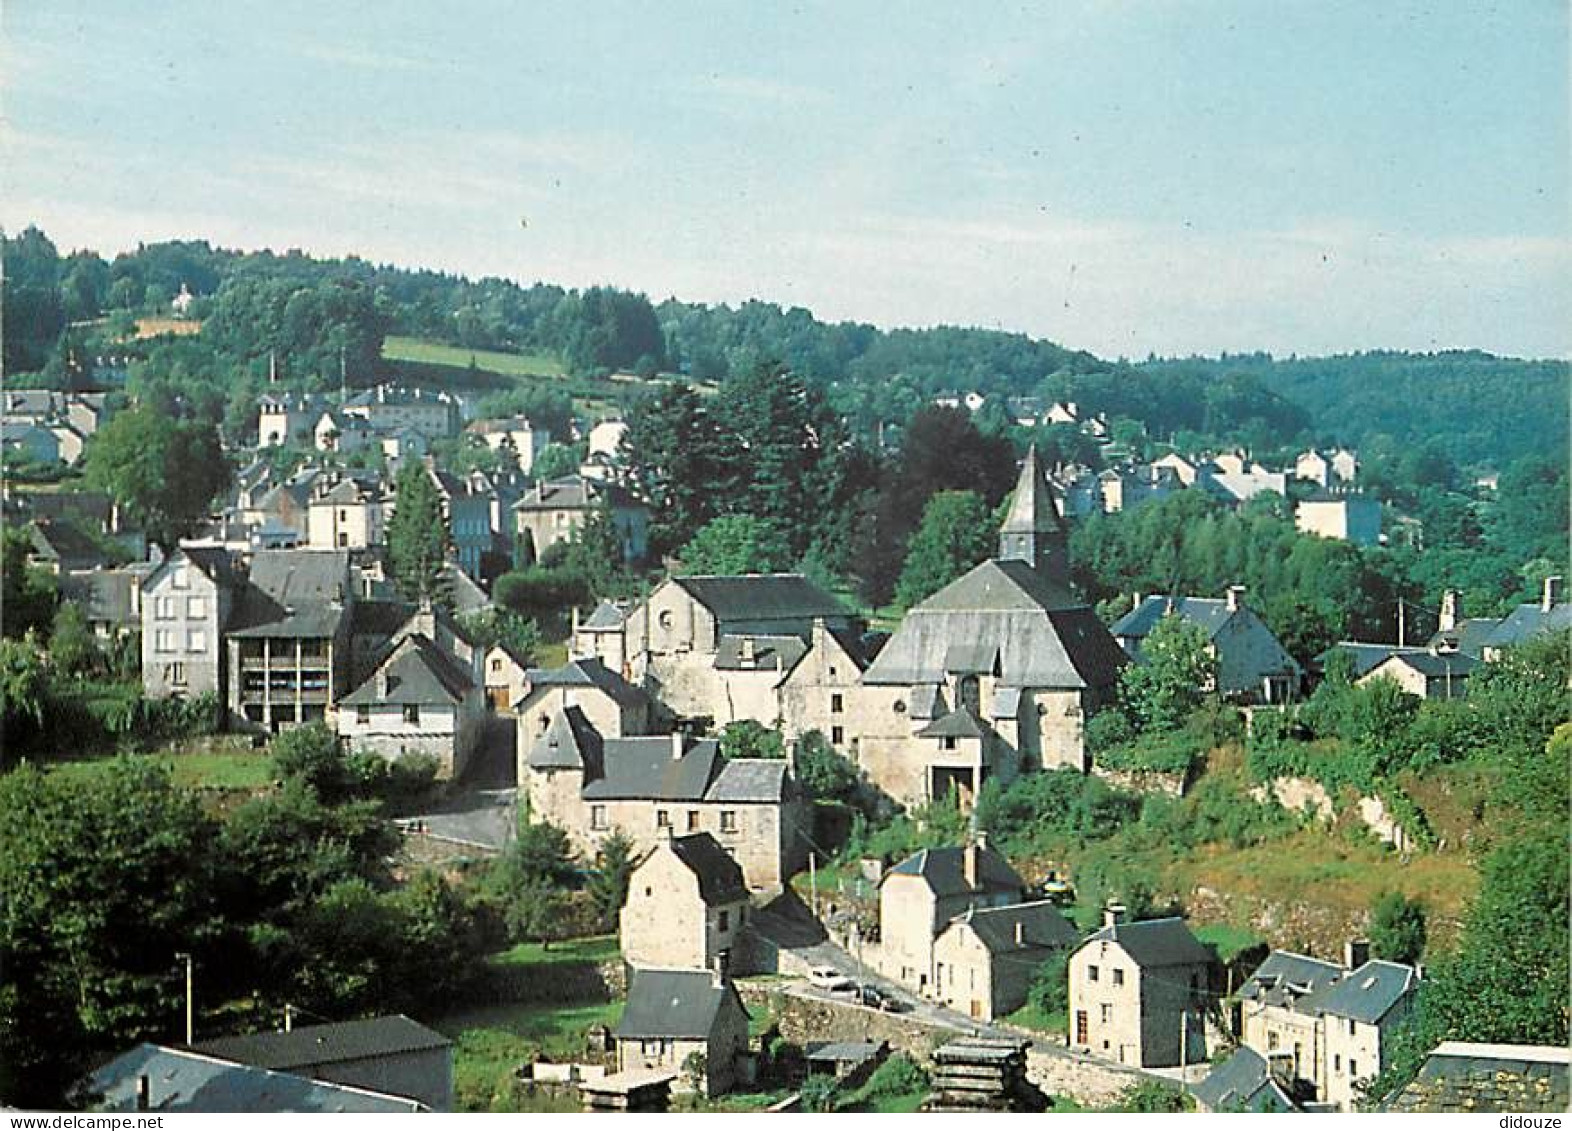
824, 771
897, 1076
1160, 753
1049, 993
1054, 803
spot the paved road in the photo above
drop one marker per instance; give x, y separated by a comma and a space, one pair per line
481, 808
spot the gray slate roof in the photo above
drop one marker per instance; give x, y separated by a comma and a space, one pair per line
1043, 638
570, 742
1154, 943
1366, 994
957, 724
1528, 621
1042, 927
312, 1045
674, 1004
769, 653
607, 616
644, 769
1460, 1076
720, 877
761, 597
1469, 637
105, 595
1285, 977
184, 1081
588, 671
418, 674
1437, 665
945, 871
1365, 656
1206, 613
749, 781
1242, 1083
293, 594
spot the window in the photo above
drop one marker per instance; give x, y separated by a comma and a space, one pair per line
1107, 1014
164, 640
693, 820
1271, 1041
343, 540
1350, 1026
662, 819
1118, 977
949, 742
837, 736
1337, 1063
664, 619
196, 607
363, 714
900, 707
175, 675
837, 703
728, 820
1353, 1068
179, 578
658, 1047
496, 663
196, 640
832, 671
724, 922
1091, 973
598, 818
412, 714
164, 608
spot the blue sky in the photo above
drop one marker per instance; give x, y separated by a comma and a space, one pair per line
1124, 177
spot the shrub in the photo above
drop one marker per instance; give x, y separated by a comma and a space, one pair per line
897, 1076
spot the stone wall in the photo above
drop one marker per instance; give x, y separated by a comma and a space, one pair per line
1089, 1082
803, 1019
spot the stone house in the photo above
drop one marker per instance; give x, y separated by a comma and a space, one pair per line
285, 418
553, 511
923, 893
63, 545
186, 603
673, 1014
418, 700
505, 678
1251, 664
603, 636
1272, 1022
985, 959
392, 1055
1245, 1082
348, 515
1006, 643
467, 503
613, 706
338, 432
1549, 614
389, 409
1360, 1014
1427, 673
723, 648
687, 905
1139, 992
1348, 518
591, 785
110, 599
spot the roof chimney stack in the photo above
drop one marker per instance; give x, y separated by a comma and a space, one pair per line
1113, 914
1356, 952
1448, 619
1234, 592
1552, 596
677, 745
969, 857
144, 1093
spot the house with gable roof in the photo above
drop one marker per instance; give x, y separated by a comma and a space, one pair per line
1251, 664
1137, 990
993, 675
592, 785
1473, 1078
1271, 1021
420, 699
672, 1014
1245, 1082
686, 907
613, 706
1360, 1015
984, 960
186, 603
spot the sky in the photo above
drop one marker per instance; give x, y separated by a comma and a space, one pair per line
1123, 176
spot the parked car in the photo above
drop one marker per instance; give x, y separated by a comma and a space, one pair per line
876, 998
829, 978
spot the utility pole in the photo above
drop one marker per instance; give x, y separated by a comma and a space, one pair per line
1401, 626
813, 885
1184, 1041
289, 1018
185, 957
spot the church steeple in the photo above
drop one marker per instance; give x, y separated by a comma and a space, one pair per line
1033, 531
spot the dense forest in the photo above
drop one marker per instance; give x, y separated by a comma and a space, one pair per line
314, 322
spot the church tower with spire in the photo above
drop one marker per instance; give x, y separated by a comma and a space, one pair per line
1034, 531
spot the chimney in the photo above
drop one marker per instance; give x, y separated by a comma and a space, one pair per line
1356, 952
1113, 914
745, 653
1233, 597
1020, 933
969, 856
718, 973
1448, 619
677, 744
144, 1093
1552, 596
1136, 598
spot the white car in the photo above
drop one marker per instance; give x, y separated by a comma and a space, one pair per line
829, 978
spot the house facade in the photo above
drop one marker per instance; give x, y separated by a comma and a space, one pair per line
672, 1015
687, 905
554, 511
984, 960
420, 700
186, 602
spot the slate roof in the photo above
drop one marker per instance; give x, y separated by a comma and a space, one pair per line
1155, 943
1043, 927
1285, 977
761, 597
1365, 656
1242, 1083
574, 492
945, 871
1460, 1076
749, 781
675, 1004
418, 673
1366, 994
1527, 621
720, 877
105, 595
607, 616
311, 1045
1207, 613
570, 742
769, 653
927, 701
184, 1081
588, 672
1469, 637
1043, 638
1032, 509
643, 769
60, 540
959, 723
293, 593
1435, 665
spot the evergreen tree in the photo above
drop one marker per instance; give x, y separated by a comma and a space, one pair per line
736, 543
418, 536
957, 532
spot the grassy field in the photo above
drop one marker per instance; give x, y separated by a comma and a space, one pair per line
458, 357
1030, 1017
231, 771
